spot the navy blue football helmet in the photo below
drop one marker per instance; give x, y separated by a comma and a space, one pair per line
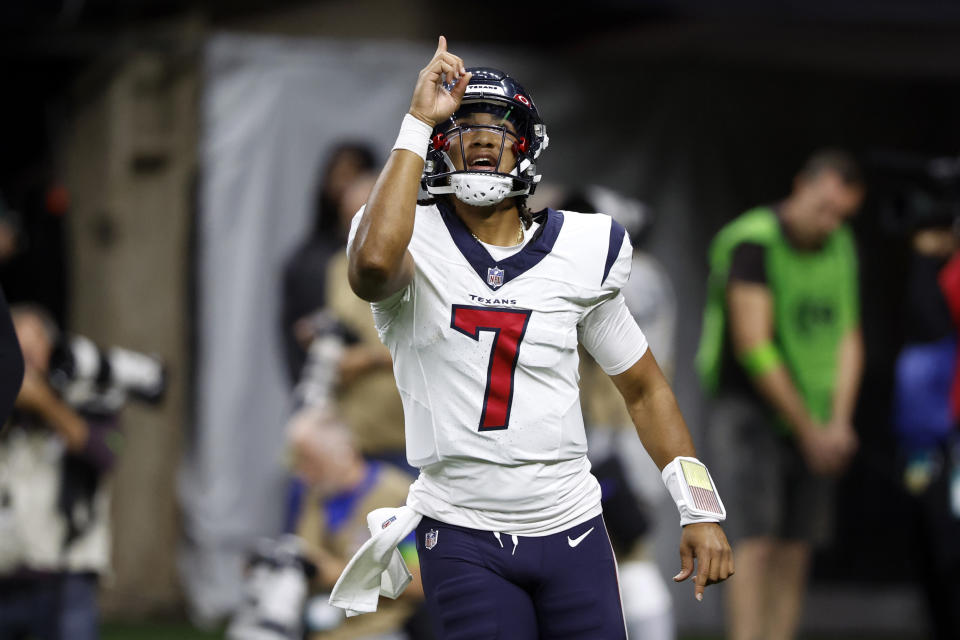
512, 120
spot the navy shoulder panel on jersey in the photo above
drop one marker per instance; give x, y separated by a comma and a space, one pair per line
498, 273
617, 232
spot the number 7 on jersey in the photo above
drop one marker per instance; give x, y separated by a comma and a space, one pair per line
508, 327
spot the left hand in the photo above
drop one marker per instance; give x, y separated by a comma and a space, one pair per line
707, 543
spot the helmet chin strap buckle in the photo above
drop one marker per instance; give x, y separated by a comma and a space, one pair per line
479, 189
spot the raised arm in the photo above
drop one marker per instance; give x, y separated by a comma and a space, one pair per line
380, 263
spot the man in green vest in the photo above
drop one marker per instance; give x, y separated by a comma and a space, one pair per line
782, 352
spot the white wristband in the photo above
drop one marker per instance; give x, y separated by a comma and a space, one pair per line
414, 136
692, 489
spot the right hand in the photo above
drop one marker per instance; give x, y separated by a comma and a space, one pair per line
432, 103
825, 451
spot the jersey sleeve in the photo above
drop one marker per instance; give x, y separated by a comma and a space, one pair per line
611, 335
619, 259
608, 330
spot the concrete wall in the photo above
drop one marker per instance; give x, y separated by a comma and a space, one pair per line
129, 163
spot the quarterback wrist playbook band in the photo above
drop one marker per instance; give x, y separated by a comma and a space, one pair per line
692, 488
414, 136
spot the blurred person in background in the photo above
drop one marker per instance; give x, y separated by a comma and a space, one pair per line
782, 349
54, 500
345, 388
305, 273
346, 363
925, 421
367, 396
341, 488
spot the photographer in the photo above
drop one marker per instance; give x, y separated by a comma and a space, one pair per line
336, 487
54, 500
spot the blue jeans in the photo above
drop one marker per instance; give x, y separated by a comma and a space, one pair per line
79, 616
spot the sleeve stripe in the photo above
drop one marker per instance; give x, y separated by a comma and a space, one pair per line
613, 250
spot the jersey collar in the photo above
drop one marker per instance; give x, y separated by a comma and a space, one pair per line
495, 273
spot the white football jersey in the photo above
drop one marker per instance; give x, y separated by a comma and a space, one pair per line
485, 357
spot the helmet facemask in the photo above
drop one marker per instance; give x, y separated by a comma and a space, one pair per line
480, 157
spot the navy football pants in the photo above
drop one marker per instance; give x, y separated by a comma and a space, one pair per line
558, 587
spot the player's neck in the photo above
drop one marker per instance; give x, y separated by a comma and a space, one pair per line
498, 224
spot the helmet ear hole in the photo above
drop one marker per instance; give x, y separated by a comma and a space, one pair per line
521, 147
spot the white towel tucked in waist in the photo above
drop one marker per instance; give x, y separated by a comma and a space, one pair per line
377, 568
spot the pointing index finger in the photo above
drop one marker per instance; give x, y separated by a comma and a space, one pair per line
441, 46
703, 573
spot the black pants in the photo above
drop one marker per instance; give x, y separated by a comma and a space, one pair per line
29, 608
485, 586
51, 607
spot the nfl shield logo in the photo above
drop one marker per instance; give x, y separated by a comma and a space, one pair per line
494, 277
430, 539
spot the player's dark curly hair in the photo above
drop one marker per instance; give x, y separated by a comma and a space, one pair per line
526, 217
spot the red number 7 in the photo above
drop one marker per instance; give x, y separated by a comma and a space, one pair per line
508, 327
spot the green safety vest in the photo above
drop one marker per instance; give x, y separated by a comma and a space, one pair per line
815, 303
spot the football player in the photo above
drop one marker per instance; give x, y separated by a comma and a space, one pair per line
482, 304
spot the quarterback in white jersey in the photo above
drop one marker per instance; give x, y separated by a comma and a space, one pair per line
482, 305
485, 355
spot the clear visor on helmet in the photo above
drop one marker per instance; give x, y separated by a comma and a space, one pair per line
483, 136
497, 114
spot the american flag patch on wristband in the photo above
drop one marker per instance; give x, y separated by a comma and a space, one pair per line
701, 488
